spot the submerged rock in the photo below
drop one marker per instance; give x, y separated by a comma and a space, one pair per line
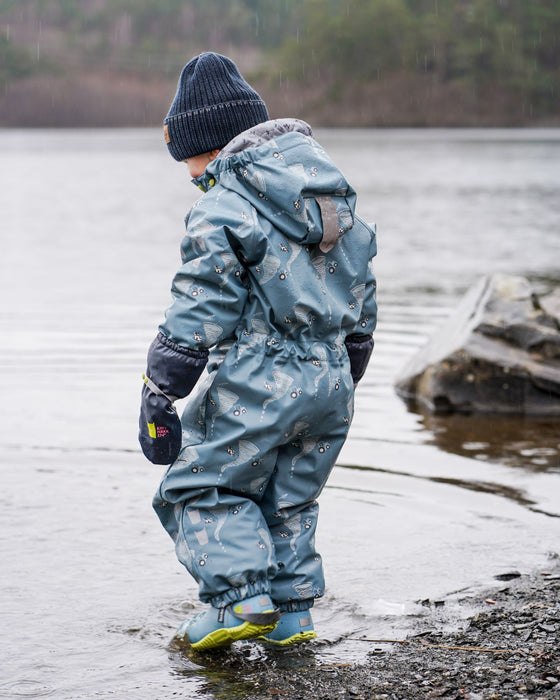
498, 353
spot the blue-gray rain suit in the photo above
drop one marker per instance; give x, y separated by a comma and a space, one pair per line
276, 276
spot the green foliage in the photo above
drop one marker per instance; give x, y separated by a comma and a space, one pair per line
358, 40
514, 44
142, 35
271, 21
15, 62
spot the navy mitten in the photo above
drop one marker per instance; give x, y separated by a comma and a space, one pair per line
172, 372
359, 348
160, 428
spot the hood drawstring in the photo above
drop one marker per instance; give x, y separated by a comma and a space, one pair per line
331, 228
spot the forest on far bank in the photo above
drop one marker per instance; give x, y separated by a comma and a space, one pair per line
333, 62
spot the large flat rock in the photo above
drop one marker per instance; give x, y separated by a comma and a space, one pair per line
499, 352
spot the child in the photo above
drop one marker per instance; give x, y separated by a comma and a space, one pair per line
276, 299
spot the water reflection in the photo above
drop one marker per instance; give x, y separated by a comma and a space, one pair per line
528, 443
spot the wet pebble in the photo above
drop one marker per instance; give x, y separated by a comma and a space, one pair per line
508, 576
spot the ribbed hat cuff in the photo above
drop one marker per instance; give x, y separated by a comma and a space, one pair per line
212, 127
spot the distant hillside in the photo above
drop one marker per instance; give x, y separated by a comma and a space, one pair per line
333, 62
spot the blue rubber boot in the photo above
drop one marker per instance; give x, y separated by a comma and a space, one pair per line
293, 627
219, 627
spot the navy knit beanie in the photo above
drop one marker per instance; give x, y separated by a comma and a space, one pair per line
212, 105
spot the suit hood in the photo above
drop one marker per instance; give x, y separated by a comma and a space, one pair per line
288, 178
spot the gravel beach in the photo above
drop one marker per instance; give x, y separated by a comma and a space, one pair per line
506, 647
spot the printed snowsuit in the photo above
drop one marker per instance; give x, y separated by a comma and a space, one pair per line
276, 275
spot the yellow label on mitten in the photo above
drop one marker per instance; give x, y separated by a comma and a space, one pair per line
152, 430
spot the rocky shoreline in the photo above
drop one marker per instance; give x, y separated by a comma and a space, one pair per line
506, 647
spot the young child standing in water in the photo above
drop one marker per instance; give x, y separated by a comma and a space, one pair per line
275, 298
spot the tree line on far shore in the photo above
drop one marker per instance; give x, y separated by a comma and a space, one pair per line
338, 62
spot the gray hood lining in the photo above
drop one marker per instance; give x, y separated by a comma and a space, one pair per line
262, 133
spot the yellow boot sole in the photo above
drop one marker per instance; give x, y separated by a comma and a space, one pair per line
226, 635
294, 639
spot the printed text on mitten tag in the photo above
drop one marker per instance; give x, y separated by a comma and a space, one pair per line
157, 431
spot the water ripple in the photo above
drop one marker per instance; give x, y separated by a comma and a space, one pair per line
25, 689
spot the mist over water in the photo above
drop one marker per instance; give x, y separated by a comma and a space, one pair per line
419, 507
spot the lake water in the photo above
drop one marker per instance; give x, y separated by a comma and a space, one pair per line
91, 223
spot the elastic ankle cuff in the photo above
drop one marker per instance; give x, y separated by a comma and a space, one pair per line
234, 595
295, 605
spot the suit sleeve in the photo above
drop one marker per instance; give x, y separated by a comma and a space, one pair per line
359, 343
208, 300
208, 290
